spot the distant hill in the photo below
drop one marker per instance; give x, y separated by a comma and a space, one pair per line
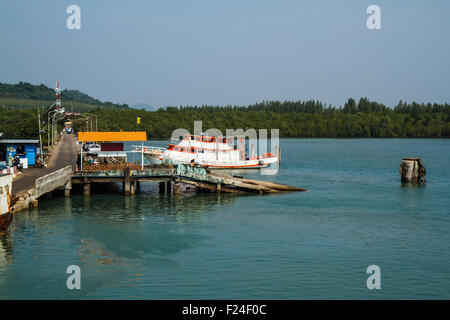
75, 95
24, 90
25, 95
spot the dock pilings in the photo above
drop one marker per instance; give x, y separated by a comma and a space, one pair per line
169, 180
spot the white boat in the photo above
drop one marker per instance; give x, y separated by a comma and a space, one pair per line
5, 200
209, 151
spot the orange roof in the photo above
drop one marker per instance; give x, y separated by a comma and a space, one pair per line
112, 136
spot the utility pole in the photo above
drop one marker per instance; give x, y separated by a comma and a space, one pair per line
53, 129
40, 134
48, 131
93, 115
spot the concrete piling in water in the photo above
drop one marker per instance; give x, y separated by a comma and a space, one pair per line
162, 187
132, 188
176, 186
218, 187
87, 189
67, 188
412, 170
34, 203
127, 182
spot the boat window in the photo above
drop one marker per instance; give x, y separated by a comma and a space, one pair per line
192, 138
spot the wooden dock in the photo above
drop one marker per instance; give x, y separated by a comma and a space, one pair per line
173, 176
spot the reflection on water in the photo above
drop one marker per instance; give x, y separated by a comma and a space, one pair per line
114, 239
5, 251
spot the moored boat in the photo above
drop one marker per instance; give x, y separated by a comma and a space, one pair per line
6, 216
209, 151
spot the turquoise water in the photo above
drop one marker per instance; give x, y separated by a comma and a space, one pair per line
307, 245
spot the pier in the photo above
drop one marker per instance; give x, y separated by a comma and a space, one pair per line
170, 178
28, 187
60, 174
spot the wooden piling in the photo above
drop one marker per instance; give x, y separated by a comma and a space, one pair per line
279, 155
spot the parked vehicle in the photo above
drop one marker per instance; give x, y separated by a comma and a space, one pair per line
93, 148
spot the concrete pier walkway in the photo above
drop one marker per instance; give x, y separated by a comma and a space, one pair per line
65, 154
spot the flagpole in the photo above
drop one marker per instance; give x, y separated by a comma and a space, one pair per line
142, 159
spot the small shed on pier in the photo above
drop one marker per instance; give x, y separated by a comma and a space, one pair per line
116, 137
26, 149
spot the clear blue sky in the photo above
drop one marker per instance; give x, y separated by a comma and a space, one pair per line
194, 52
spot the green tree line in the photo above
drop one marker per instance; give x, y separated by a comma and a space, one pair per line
300, 119
294, 119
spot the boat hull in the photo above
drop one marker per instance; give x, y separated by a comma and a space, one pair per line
243, 164
208, 151
5, 221
6, 216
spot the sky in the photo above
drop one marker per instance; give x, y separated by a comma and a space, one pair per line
230, 52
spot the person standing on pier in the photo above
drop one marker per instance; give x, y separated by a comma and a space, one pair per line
16, 162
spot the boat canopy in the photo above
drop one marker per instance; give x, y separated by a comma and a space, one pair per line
113, 136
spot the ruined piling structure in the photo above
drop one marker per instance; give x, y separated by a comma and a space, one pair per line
412, 170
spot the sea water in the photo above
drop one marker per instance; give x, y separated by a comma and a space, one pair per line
304, 245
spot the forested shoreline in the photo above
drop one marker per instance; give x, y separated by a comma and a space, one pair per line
294, 119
